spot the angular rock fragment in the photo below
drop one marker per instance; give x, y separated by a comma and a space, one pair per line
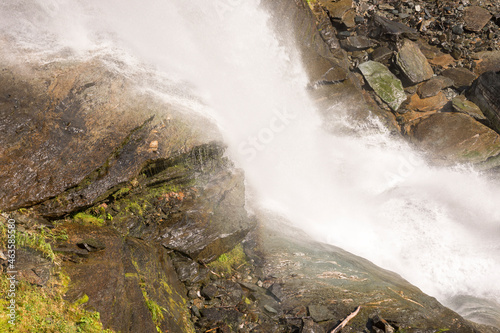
461, 104
455, 138
476, 18
413, 63
433, 86
462, 78
385, 84
485, 93
395, 29
433, 103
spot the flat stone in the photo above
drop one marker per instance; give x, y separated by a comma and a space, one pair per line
485, 93
385, 84
461, 104
337, 9
429, 88
476, 18
462, 78
455, 138
320, 313
355, 43
349, 18
395, 29
413, 63
433, 86
443, 61
382, 54
433, 103
488, 61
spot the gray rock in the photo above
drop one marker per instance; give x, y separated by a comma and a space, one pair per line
462, 78
311, 327
476, 18
451, 138
320, 313
485, 93
461, 104
385, 84
413, 63
209, 291
433, 86
355, 43
382, 54
395, 29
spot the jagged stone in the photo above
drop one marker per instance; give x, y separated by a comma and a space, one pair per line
433, 86
433, 103
394, 29
485, 93
385, 84
476, 17
488, 61
355, 43
462, 77
461, 104
413, 63
452, 138
382, 54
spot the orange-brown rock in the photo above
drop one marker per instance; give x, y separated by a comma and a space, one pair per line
433, 103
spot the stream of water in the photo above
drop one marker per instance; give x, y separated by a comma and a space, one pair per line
371, 194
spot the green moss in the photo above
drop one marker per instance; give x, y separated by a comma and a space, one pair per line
121, 193
229, 261
82, 300
44, 310
88, 219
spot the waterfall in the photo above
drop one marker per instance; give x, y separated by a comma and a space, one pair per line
370, 194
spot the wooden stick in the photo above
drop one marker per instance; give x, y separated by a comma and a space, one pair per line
345, 321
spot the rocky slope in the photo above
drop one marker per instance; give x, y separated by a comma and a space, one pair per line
131, 205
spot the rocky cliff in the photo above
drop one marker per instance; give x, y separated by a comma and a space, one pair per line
132, 215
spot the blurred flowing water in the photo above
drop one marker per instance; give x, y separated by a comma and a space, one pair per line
370, 194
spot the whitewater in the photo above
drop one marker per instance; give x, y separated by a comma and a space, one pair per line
370, 194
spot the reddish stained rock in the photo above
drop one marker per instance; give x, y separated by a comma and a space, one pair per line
443, 61
433, 103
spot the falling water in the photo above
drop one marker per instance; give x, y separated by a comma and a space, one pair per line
371, 194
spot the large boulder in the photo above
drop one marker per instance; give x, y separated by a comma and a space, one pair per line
81, 128
451, 138
485, 93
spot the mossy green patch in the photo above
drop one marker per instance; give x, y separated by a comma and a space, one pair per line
88, 219
44, 310
230, 261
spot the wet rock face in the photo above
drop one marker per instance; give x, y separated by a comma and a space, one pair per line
50, 114
485, 93
125, 282
465, 139
320, 285
413, 63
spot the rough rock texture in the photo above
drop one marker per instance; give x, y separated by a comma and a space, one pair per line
413, 63
384, 83
332, 283
476, 17
461, 104
123, 279
462, 77
50, 114
455, 137
433, 103
485, 93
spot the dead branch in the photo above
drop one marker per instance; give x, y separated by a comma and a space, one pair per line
345, 321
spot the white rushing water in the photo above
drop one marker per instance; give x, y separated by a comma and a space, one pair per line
371, 195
